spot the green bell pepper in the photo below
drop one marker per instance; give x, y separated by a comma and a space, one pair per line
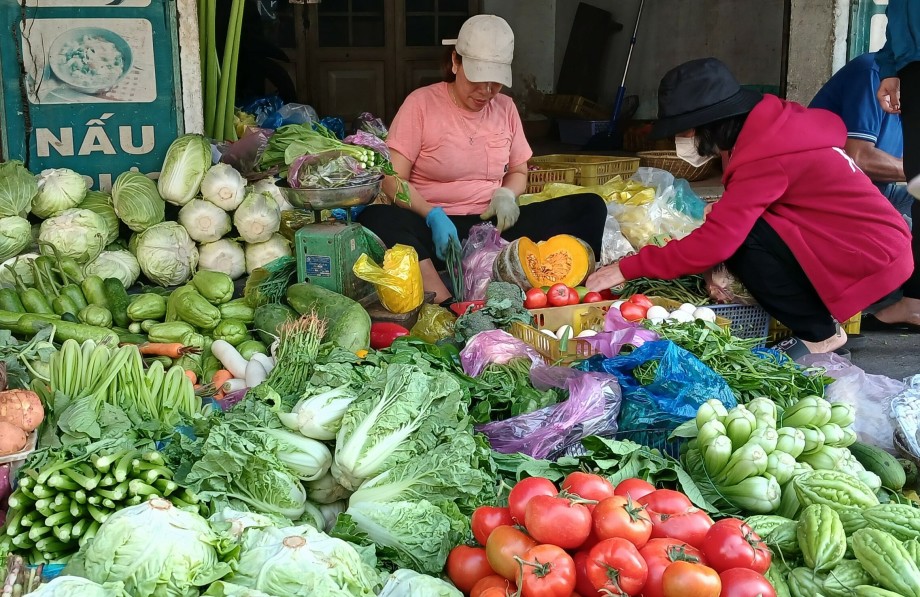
147, 306
186, 304
216, 287
233, 331
96, 315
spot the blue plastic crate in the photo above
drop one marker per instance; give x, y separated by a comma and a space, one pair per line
748, 321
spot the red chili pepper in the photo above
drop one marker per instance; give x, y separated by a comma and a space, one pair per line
384, 333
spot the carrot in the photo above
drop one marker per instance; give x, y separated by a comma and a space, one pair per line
173, 350
221, 376
192, 376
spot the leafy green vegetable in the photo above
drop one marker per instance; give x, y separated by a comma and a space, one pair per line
409, 583
504, 305
505, 390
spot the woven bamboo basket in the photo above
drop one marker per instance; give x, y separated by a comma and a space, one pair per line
668, 160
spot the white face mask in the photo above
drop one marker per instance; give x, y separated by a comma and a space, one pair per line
686, 150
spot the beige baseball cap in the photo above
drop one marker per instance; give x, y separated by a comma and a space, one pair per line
486, 43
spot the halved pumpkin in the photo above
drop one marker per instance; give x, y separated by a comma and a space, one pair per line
561, 259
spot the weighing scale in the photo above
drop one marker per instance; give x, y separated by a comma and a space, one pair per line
327, 249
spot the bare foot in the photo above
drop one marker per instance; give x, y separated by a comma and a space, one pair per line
829, 345
906, 310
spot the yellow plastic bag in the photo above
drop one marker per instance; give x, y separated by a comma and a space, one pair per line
398, 282
434, 323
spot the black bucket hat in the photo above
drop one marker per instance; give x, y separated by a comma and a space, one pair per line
699, 92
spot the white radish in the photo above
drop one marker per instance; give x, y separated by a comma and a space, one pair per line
230, 358
266, 361
255, 373
233, 385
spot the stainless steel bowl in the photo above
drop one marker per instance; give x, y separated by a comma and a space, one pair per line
318, 199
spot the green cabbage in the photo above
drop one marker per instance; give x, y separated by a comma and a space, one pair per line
187, 161
115, 264
101, 203
166, 254
15, 236
409, 583
224, 256
257, 218
223, 186
75, 586
297, 561
155, 548
137, 202
226, 589
205, 222
261, 254
58, 189
17, 188
77, 233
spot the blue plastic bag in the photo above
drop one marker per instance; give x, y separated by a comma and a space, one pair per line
681, 384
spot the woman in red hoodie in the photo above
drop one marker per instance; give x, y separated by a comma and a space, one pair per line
806, 232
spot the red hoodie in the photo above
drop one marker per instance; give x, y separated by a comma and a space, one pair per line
788, 166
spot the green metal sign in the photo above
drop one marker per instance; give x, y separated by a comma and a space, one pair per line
867, 26
91, 85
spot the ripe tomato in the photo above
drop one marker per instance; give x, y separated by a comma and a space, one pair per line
634, 488
582, 582
574, 297
684, 579
741, 582
616, 566
619, 516
641, 300
524, 490
466, 566
547, 572
496, 592
607, 295
558, 295
666, 501
690, 527
557, 520
592, 297
731, 543
535, 299
493, 581
588, 486
503, 545
486, 519
659, 554
633, 312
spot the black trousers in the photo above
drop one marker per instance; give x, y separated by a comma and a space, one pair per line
910, 122
769, 270
582, 215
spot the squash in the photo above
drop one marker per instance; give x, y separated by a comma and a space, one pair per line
561, 259
12, 439
22, 408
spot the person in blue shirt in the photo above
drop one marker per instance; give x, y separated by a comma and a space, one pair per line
899, 93
874, 137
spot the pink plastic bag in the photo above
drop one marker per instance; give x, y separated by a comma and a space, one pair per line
618, 333
494, 346
591, 409
478, 253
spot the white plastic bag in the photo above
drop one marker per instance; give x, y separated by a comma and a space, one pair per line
871, 396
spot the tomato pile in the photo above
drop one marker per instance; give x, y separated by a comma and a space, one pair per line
591, 539
560, 295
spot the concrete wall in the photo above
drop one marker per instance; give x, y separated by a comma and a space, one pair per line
817, 45
746, 34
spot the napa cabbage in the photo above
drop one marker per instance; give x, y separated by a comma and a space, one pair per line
187, 160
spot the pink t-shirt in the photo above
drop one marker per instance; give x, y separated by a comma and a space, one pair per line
458, 157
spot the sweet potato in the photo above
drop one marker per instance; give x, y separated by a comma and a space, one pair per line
12, 439
22, 408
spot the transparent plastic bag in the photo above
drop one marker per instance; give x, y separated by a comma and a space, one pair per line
871, 396
434, 324
681, 384
369, 123
326, 170
297, 114
478, 255
494, 347
675, 212
905, 409
614, 246
592, 408
398, 282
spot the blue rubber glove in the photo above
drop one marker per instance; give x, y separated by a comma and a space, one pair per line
442, 231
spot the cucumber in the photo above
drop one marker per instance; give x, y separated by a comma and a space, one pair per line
118, 301
881, 463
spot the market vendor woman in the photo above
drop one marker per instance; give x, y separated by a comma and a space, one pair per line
808, 234
460, 145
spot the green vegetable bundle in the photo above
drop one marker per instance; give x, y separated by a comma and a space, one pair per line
747, 459
62, 499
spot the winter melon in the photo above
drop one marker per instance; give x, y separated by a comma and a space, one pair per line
561, 259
